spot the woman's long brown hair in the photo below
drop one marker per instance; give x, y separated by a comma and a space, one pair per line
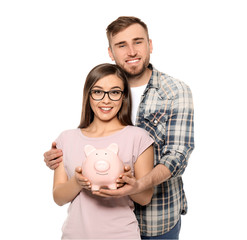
98, 72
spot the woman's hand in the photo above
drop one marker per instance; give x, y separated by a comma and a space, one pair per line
126, 185
81, 180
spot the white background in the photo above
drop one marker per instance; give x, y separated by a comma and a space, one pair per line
46, 50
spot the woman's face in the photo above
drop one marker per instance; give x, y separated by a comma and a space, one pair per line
106, 109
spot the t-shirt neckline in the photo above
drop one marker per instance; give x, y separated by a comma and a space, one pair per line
104, 137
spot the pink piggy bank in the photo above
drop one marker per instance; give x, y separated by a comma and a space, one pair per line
102, 166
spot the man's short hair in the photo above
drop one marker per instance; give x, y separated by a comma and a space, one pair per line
122, 23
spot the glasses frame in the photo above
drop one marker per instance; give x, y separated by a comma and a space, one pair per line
107, 92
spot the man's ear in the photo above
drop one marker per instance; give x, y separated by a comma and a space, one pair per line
110, 54
150, 45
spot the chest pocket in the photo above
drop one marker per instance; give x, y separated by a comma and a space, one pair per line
155, 123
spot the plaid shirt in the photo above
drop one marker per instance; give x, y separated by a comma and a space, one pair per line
166, 112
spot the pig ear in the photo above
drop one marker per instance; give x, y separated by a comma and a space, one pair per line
88, 149
113, 147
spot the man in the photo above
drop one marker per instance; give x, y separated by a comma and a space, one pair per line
163, 106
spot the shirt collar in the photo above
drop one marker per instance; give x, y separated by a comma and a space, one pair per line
154, 79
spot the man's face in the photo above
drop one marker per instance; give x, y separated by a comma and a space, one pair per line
131, 49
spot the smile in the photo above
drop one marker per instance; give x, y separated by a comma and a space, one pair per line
106, 109
133, 60
101, 173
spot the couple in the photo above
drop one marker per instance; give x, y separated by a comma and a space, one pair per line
163, 107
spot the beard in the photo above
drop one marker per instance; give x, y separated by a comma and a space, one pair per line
134, 72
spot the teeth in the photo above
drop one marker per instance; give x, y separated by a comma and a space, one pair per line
106, 109
133, 61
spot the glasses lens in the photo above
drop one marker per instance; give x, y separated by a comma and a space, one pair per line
97, 94
115, 95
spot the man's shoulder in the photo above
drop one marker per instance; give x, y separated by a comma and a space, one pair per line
166, 79
170, 85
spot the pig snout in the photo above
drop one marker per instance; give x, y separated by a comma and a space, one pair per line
101, 166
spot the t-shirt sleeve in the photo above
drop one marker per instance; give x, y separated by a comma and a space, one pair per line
59, 141
144, 141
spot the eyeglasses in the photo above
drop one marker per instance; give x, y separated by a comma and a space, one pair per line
113, 95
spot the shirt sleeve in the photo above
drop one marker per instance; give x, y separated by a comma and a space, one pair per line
179, 135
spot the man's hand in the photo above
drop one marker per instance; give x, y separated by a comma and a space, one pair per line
81, 180
131, 186
127, 172
53, 157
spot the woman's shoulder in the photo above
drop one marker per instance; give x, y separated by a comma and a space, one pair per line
137, 130
69, 133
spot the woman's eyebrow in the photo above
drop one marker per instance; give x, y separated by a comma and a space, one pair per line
103, 88
97, 87
116, 87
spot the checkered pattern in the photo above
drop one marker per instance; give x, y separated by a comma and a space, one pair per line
166, 112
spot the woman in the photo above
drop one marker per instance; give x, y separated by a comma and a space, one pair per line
105, 119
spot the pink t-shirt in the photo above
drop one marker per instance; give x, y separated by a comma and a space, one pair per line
90, 216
